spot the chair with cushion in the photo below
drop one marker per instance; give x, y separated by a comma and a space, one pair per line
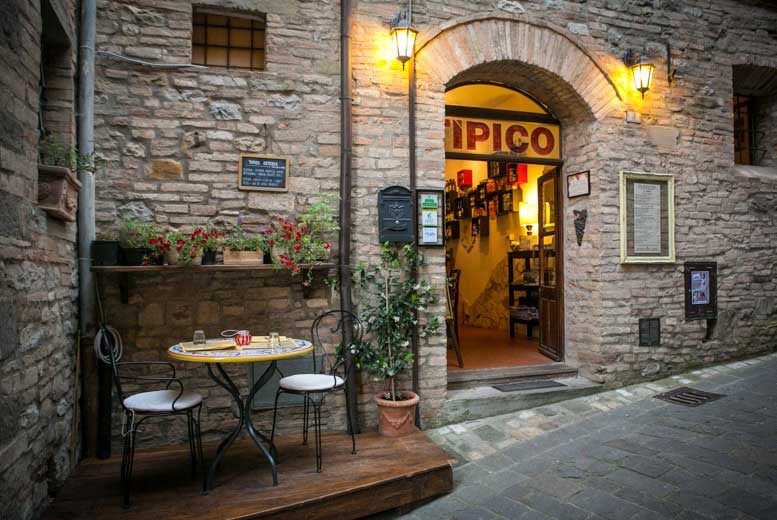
330, 376
153, 403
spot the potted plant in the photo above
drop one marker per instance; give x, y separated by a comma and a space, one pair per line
306, 240
241, 247
58, 186
211, 240
390, 302
135, 237
106, 249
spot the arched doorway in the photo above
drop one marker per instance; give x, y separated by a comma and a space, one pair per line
502, 164
563, 76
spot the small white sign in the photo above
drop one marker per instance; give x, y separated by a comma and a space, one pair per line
429, 218
429, 235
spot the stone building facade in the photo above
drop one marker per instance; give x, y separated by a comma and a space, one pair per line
38, 260
171, 137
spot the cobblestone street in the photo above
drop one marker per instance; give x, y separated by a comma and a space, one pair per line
623, 455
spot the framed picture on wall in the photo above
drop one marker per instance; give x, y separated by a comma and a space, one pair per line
578, 184
647, 218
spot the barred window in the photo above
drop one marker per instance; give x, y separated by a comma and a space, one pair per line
234, 42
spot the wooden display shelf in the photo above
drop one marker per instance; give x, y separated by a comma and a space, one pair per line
124, 271
215, 267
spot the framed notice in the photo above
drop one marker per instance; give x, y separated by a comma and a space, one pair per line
701, 290
430, 219
578, 184
647, 218
263, 173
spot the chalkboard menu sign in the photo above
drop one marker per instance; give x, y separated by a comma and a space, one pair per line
263, 173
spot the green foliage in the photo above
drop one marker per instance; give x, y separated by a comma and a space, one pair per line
53, 151
238, 239
390, 301
137, 234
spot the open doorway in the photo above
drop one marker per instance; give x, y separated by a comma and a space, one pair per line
502, 229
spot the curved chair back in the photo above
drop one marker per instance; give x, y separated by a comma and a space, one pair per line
324, 327
107, 351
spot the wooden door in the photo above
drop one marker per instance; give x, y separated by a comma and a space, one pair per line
551, 254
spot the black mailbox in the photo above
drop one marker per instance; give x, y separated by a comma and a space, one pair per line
395, 215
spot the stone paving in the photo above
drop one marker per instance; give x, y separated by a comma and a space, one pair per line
623, 455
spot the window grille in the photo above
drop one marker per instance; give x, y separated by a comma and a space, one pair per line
234, 42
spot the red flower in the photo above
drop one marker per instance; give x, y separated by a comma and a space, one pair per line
271, 241
178, 248
152, 241
180, 241
146, 261
327, 246
195, 246
193, 254
297, 236
297, 247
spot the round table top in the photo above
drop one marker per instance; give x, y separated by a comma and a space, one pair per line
250, 354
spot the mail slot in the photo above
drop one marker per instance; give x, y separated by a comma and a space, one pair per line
395, 214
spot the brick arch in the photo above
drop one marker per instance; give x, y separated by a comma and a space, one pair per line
461, 49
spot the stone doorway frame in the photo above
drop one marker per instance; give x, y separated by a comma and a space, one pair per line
576, 88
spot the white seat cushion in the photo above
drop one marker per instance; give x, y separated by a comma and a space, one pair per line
310, 382
162, 401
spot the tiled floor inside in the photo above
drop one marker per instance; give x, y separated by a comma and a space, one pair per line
489, 348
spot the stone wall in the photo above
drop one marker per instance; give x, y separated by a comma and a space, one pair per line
568, 54
38, 271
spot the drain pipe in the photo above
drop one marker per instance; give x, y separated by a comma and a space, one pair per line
86, 147
94, 406
346, 152
411, 96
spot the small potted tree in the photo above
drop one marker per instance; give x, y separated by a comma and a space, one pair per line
390, 300
241, 247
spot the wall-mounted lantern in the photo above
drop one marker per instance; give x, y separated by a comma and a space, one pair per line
641, 72
403, 34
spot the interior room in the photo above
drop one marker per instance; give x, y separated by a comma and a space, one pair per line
492, 237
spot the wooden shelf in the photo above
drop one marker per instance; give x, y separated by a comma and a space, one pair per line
124, 271
216, 267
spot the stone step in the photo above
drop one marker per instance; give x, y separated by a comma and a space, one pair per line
486, 401
472, 378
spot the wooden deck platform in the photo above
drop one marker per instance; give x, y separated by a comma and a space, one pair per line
385, 474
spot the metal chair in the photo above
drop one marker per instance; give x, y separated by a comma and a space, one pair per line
332, 376
154, 403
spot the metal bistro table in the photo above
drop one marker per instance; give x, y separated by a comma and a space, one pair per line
250, 354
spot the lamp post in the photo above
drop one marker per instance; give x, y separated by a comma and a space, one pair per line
403, 34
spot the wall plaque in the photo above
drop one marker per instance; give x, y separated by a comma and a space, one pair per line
263, 173
647, 218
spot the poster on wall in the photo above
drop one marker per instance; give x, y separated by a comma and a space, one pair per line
578, 184
647, 218
701, 291
430, 204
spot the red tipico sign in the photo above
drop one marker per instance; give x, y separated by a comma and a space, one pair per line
492, 136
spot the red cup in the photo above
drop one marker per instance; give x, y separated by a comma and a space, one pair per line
243, 338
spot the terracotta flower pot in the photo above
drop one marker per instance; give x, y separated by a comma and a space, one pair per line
242, 257
396, 418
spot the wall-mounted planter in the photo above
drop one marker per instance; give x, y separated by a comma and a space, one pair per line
58, 192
